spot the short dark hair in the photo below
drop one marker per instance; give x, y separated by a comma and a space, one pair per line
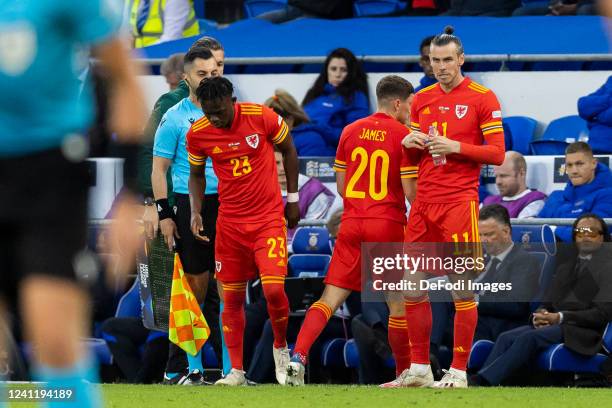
208, 42
602, 224
196, 52
579, 147
214, 88
426, 42
448, 37
497, 212
393, 86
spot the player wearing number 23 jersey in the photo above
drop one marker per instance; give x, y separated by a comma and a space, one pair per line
251, 232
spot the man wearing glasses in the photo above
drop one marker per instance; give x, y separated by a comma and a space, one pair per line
589, 189
575, 309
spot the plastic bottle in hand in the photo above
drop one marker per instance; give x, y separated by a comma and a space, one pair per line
438, 159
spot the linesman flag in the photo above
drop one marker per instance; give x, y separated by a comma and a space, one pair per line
188, 328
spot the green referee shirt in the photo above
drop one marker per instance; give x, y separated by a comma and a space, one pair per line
145, 156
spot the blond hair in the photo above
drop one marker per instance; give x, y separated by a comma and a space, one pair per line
287, 107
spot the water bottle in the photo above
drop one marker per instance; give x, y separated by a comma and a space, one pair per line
438, 159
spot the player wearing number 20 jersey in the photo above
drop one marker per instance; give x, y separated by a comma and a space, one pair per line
370, 163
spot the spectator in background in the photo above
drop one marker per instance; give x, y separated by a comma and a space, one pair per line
557, 8
425, 63
589, 189
315, 198
329, 9
596, 109
310, 139
505, 262
416, 8
482, 8
172, 69
510, 179
156, 21
575, 311
340, 93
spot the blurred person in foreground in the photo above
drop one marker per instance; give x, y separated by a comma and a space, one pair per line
39, 146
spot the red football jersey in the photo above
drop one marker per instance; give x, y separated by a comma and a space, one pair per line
370, 152
243, 160
467, 114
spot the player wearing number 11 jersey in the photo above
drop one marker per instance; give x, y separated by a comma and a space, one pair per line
467, 121
370, 170
251, 232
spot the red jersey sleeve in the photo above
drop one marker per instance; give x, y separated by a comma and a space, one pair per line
195, 155
412, 157
276, 128
340, 162
408, 168
414, 114
490, 122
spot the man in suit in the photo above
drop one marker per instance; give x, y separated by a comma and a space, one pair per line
505, 262
576, 310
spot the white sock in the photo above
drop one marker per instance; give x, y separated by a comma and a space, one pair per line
419, 369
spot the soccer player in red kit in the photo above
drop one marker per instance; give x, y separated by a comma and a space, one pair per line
466, 119
251, 231
371, 171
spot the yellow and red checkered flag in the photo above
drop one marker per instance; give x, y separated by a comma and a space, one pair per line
188, 327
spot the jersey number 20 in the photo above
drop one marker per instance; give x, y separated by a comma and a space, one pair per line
378, 159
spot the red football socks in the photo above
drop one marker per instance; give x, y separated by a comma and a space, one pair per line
418, 314
466, 318
399, 342
278, 307
316, 318
233, 321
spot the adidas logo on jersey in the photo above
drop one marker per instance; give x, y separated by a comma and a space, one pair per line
217, 150
280, 263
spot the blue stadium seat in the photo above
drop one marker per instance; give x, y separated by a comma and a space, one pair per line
522, 130
351, 354
332, 353
129, 304
254, 8
548, 147
210, 358
567, 129
311, 240
479, 353
308, 265
539, 241
364, 8
559, 358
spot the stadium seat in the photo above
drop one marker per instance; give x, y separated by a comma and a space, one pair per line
364, 8
311, 240
559, 358
332, 353
559, 133
539, 241
568, 129
522, 130
254, 8
479, 353
210, 358
548, 147
351, 354
129, 304
308, 265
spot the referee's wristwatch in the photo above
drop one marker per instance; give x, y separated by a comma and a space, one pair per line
149, 201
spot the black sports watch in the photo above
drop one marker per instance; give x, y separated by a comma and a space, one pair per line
149, 201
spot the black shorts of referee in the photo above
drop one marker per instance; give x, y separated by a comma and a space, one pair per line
196, 256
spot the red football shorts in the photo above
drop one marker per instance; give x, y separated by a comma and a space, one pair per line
443, 222
241, 250
345, 267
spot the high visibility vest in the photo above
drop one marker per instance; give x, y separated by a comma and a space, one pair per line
153, 27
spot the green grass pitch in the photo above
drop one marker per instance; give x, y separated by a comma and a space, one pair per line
333, 396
